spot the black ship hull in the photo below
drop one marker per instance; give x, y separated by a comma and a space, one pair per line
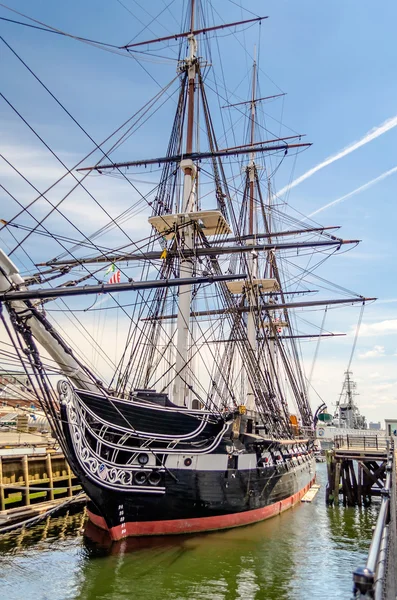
188, 507
223, 479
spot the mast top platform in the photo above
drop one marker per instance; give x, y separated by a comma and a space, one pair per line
212, 222
265, 285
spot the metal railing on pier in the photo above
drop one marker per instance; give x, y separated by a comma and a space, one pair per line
377, 580
365, 442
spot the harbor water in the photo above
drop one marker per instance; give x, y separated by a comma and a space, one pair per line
307, 552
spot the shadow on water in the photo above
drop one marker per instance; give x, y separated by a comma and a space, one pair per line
309, 551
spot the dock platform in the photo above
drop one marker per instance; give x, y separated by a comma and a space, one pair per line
356, 469
312, 493
377, 579
34, 477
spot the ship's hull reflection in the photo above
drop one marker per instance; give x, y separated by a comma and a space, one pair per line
97, 541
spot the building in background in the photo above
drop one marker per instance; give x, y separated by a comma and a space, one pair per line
374, 425
15, 392
391, 426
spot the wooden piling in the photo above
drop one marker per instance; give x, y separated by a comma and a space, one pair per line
367, 484
50, 475
337, 480
2, 496
70, 489
25, 469
359, 479
370, 455
343, 483
30, 485
354, 483
347, 484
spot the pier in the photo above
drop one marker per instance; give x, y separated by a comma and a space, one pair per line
34, 478
359, 469
356, 469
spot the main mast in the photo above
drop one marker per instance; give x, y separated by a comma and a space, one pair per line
180, 392
253, 256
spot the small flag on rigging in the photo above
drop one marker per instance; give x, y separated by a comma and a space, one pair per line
111, 269
115, 278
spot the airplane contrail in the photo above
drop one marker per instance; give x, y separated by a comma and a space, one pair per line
356, 191
368, 137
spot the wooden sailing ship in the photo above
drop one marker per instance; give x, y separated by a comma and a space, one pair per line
202, 427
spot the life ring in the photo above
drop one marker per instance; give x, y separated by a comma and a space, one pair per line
321, 432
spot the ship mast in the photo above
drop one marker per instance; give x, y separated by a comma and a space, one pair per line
272, 345
180, 392
347, 411
252, 173
253, 256
349, 392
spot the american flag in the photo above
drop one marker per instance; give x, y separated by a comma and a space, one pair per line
115, 278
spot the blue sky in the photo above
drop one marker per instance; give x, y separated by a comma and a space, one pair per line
336, 61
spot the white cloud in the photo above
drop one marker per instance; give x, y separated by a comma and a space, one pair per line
384, 386
113, 194
383, 401
376, 351
379, 328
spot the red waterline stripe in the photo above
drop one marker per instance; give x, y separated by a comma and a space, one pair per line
175, 526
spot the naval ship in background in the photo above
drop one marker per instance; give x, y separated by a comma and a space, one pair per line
347, 419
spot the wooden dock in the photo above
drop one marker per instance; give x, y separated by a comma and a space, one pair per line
377, 579
34, 477
22, 513
312, 493
356, 469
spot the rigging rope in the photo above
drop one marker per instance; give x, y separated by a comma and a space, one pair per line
317, 346
360, 318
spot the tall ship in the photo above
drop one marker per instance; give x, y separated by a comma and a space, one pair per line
202, 421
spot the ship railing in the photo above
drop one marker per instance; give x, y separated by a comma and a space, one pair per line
307, 432
378, 579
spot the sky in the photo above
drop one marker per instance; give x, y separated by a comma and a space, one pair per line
335, 61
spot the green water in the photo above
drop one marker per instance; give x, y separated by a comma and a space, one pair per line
308, 552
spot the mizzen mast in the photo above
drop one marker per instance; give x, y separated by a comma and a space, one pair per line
254, 283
